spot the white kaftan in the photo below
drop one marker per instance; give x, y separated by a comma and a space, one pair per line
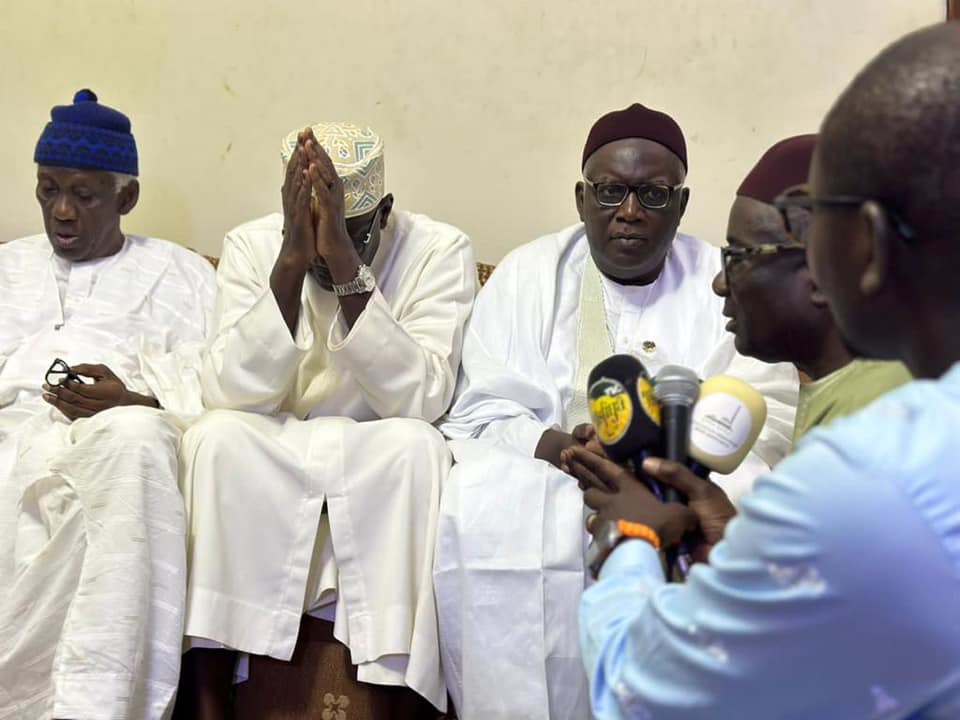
92, 562
510, 557
336, 417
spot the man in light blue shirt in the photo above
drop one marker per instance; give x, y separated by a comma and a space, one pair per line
835, 593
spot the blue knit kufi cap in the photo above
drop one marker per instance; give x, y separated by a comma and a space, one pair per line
88, 136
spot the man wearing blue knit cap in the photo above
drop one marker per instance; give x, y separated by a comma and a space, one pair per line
99, 356
94, 142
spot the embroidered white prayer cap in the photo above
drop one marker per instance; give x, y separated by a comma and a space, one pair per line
357, 155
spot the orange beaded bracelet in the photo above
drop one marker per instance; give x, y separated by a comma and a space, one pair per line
639, 531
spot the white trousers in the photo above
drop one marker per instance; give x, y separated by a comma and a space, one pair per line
509, 575
91, 625
254, 487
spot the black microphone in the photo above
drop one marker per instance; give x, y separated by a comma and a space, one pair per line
625, 412
676, 388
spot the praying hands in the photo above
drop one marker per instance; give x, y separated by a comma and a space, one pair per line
327, 208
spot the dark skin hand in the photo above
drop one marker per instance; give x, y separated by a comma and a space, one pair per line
554, 442
314, 227
617, 494
333, 241
705, 498
299, 247
79, 400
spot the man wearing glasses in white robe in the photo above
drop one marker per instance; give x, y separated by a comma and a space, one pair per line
510, 555
338, 332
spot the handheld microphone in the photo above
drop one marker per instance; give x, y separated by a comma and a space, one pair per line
727, 420
677, 389
624, 410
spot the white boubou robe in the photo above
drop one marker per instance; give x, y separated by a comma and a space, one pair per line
92, 560
510, 555
331, 417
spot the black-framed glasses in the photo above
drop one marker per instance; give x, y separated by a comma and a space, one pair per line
653, 196
796, 219
731, 256
360, 244
59, 372
799, 197
319, 269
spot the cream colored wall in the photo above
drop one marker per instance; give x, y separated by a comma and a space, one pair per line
483, 106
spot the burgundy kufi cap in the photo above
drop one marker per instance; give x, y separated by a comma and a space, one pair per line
636, 121
783, 166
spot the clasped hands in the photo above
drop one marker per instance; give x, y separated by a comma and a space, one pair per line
313, 205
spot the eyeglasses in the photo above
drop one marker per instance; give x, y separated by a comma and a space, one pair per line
59, 372
796, 218
731, 256
319, 269
799, 197
653, 196
361, 244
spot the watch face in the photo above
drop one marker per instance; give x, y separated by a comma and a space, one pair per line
364, 282
603, 543
367, 281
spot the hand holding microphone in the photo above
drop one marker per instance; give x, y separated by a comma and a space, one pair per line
725, 424
705, 499
638, 421
615, 493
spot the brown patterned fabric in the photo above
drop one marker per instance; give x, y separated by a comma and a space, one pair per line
483, 269
319, 682
483, 272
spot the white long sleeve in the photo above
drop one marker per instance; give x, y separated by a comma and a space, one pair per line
398, 360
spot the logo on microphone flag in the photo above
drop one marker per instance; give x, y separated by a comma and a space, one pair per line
610, 409
648, 399
721, 424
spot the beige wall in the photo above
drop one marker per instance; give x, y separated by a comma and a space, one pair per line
483, 106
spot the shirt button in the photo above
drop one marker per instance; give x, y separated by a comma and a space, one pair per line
58, 326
